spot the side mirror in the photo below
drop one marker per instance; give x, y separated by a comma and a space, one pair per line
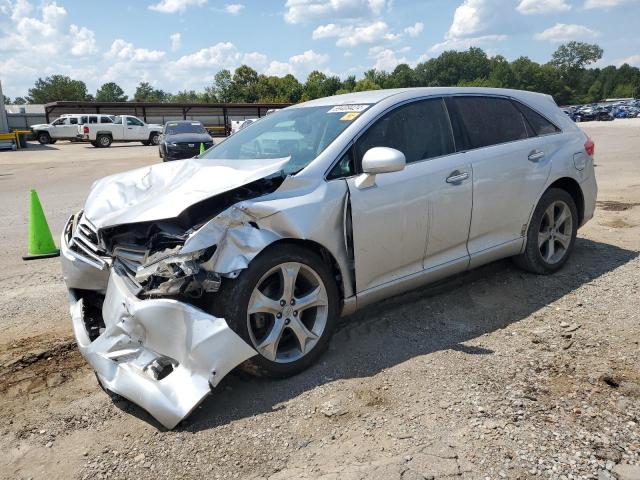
379, 160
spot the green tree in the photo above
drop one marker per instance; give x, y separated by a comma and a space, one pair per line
6, 100
57, 88
244, 85
19, 101
110, 92
146, 93
222, 85
365, 84
576, 55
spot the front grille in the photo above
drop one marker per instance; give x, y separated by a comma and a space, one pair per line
84, 243
127, 260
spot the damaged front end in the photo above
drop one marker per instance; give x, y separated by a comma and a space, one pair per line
135, 291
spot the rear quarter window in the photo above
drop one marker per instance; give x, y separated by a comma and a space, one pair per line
489, 120
540, 125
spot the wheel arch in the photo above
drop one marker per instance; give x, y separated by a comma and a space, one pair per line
572, 187
322, 252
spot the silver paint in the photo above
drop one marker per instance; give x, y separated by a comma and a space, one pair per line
410, 227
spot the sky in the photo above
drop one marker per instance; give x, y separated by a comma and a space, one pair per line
181, 44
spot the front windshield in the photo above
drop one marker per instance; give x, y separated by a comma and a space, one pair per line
300, 133
175, 128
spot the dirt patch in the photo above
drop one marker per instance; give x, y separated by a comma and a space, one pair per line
34, 364
618, 223
613, 206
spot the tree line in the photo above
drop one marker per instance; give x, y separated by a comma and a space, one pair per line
567, 77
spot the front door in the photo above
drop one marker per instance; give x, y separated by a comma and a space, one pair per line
418, 217
135, 130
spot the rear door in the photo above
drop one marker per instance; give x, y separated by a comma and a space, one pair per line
412, 219
510, 168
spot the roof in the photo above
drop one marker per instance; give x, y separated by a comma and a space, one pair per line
376, 96
79, 104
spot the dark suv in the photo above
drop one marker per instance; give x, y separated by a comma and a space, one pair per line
183, 139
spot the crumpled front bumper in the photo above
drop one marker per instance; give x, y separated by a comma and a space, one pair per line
162, 354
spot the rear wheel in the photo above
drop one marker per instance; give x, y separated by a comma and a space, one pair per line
552, 233
145, 143
154, 139
103, 141
285, 305
52, 141
44, 138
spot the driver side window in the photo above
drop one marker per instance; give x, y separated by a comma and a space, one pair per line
134, 121
421, 130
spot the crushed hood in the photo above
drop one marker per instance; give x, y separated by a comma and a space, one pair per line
165, 190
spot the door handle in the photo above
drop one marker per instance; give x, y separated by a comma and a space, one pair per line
536, 155
457, 177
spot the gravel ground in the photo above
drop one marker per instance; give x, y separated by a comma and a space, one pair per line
493, 374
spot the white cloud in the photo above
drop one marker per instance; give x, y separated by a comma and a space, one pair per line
233, 8
534, 7
176, 41
175, 6
633, 60
83, 41
466, 43
301, 11
125, 51
415, 30
21, 9
589, 4
299, 65
220, 55
351, 35
386, 59
562, 32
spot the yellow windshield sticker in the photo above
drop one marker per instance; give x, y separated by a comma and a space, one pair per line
347, 117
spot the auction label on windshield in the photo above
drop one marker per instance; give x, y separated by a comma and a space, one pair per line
348, 108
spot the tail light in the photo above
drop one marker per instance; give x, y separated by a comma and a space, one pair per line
85, 129
589, 147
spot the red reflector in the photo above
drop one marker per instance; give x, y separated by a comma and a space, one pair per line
85, 129
589, 147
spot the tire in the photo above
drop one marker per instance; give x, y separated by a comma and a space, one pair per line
145, 143
52, 141
154, 139
95, 144
549, 244
260, 285
43, 138
103, 141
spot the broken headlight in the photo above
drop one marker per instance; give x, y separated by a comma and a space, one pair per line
168, 272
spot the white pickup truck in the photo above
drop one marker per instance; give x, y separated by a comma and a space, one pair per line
125, 128
65, 127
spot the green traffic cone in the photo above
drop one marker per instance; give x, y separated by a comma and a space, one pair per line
201, 148
41, 243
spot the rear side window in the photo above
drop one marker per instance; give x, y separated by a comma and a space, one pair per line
73, 121
488, 121
420, 130
105, 120
93, 119
540, 125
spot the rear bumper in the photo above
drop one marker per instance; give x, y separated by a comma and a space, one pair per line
590, 193
162, 354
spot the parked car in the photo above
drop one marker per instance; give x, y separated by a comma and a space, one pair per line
65, 127
593, 115
182, 139
124, 128
247, 255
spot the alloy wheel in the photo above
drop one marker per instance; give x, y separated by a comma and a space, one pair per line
556, 230
287, 312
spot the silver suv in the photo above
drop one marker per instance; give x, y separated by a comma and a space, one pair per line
248, 254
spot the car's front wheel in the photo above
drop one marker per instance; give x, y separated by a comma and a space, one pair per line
44, 138
285, 305
551, 234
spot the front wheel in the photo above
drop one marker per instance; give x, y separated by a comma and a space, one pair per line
285, 305
551, 234
44, 138
154, 139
